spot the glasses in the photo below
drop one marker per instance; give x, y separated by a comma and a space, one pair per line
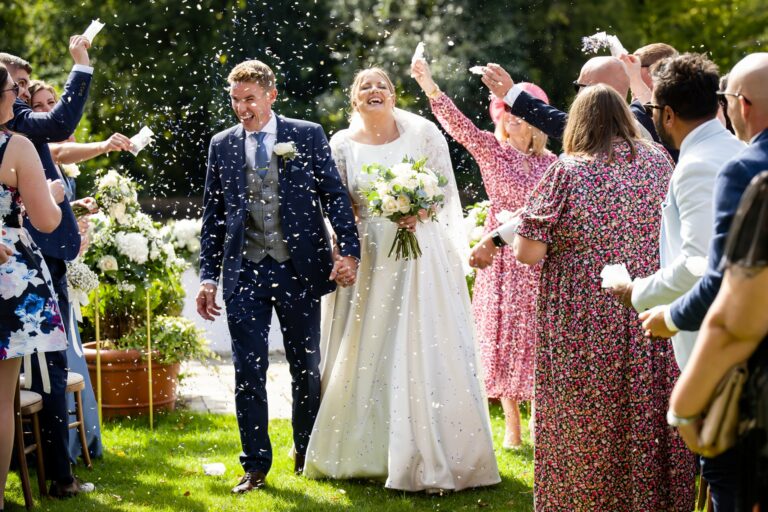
15, 89
577, 86
735, 95
650, 107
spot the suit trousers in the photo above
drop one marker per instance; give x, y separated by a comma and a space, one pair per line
261, 287
54, 417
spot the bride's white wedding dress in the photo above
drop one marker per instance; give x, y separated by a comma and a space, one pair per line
402, 397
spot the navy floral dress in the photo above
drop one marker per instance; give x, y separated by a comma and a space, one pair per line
29, 315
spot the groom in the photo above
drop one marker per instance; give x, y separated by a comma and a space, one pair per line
270, 184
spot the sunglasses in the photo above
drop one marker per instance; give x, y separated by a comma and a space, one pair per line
735, 95
650, 107
15, 89
577, 86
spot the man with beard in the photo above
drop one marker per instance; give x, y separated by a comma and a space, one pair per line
684, 109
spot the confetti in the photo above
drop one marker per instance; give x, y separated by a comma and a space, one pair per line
600, 40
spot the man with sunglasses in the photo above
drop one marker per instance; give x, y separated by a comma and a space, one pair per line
747, 99
58, 247
609, 71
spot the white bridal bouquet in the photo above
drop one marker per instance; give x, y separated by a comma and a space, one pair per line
403, 190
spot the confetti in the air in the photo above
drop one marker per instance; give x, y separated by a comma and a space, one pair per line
600, 40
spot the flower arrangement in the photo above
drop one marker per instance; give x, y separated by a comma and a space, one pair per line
175, 339
184, 235
403, 190
131, 257
474, 222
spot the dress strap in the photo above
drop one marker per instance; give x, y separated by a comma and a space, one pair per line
5, 136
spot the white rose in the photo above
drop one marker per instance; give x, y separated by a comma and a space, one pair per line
107, 263
403, 204
111, 179
389, 205
286, 149
117, 212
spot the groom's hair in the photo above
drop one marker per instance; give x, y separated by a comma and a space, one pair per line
253, 71
12, 61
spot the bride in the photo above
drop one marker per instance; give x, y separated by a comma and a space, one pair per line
402, 396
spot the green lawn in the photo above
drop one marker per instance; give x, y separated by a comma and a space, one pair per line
162, 471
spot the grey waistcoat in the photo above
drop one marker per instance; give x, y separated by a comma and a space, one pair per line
263, 231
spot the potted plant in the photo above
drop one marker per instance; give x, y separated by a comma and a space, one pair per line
139, 278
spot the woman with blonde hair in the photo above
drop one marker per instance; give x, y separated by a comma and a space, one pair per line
602, 440
511, 161
402, 400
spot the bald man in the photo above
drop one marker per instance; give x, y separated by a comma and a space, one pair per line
747, 99
597, 70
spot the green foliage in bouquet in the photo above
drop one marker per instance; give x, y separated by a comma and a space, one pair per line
474, 223
131, 257
401, 191
176, 339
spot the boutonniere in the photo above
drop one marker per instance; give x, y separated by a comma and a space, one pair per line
70, 170
287, 150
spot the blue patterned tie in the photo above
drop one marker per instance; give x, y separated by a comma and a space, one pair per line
262, 158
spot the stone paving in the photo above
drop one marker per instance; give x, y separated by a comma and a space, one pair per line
210, 387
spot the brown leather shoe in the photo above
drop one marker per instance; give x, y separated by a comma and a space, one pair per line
250, 481
298, 463
60, 491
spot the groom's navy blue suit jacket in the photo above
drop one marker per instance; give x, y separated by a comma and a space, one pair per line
310, 190
55, 126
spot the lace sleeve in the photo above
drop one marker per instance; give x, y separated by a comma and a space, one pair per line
450, 216
337, 143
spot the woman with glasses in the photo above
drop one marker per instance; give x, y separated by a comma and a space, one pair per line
512, 159
29, 315
602, 441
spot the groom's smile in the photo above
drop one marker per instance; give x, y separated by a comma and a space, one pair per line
252, 104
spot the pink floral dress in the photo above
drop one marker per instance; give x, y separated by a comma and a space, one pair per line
602, 388
503, 302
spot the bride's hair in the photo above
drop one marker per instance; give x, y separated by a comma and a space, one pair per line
358, 80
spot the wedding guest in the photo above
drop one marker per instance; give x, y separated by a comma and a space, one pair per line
512, 159
29, 315
683, 107
57, 248
402, 399
602, 442
649, 55
735, 330
748, 110
722, 108
43, 99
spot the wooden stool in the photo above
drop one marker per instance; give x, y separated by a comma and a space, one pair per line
26, 406
76, 384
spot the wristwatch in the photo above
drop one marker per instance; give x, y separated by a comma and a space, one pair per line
497, 240
673, 420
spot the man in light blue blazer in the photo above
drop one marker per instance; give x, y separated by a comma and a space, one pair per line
271, 183
683, 107
747, 98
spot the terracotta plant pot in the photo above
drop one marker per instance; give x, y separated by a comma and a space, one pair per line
124, 382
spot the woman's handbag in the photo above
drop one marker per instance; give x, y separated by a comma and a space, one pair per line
719, 427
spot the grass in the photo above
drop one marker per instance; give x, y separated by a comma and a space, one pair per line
162, 471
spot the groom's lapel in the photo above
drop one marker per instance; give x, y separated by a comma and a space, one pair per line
282, 136
238, 160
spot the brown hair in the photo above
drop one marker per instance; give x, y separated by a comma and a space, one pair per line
355, 89
650, 54
253, 71
16, 62
597, 116
36, 86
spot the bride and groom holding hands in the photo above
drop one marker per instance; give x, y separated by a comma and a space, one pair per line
393, 352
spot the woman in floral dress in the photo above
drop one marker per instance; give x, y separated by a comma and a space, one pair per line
602, 441
29, 316
511, 161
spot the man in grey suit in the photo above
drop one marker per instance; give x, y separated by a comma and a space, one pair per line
684, 109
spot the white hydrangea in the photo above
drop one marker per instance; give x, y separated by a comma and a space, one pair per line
134, 246
111, 179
